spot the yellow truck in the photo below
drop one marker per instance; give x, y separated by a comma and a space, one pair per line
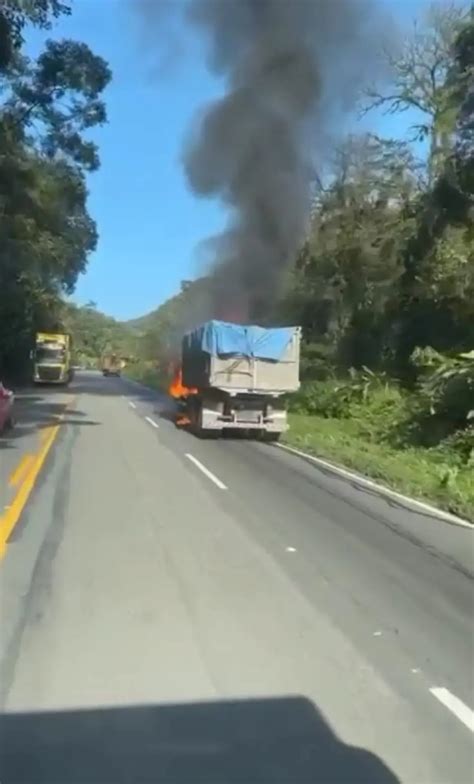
52, 358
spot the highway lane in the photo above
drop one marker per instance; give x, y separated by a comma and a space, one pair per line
150, 568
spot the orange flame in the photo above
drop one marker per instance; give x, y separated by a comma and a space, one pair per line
177, 389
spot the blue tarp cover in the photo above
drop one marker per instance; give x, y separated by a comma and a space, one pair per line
220, 338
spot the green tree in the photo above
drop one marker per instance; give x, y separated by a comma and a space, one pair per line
15, 15
419, 72
345, 275
432, 305
46, 232
463, 99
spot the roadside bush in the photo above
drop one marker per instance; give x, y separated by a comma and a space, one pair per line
362, 392
316, 362
447, 384
461, 444
381, 413
321, 398
442, 407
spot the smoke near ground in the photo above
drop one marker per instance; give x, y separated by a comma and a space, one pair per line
292, 69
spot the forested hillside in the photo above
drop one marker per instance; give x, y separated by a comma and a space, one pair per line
94, 333
388, 264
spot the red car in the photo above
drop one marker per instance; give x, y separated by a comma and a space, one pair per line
7, 400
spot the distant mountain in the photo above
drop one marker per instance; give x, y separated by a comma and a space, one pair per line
142, 323
144, 338
182, 311
93, 333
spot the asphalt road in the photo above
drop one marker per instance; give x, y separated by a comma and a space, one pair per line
179, 610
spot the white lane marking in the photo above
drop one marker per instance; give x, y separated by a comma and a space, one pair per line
377, 634
363, 480
455, 705
291, 549
131, 404
206, 472
152, 422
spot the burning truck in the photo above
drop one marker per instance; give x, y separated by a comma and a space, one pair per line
234, 377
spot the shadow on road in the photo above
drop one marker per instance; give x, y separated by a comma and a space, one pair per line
36, 412
39, 407
92, 383
256, 741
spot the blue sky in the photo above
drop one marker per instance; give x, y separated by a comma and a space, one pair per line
149, 223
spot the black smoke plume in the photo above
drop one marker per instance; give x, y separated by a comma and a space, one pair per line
292, 70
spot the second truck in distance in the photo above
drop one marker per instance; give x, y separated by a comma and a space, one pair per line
234, 377
111, 364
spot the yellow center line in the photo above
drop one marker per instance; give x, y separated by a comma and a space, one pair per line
12, 514
43, 435
23, 466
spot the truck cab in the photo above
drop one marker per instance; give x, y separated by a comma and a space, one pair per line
52, 359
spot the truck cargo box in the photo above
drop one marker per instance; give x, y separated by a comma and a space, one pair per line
241, 359
111, 364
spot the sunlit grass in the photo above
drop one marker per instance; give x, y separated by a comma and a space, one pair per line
422, 473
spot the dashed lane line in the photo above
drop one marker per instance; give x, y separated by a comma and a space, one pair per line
455, 705
206, 472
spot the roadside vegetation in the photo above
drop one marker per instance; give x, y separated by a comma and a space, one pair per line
419, 442
384, 286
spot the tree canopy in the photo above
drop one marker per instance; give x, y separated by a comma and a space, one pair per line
46, 233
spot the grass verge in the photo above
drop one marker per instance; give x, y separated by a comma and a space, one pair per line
416, 472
